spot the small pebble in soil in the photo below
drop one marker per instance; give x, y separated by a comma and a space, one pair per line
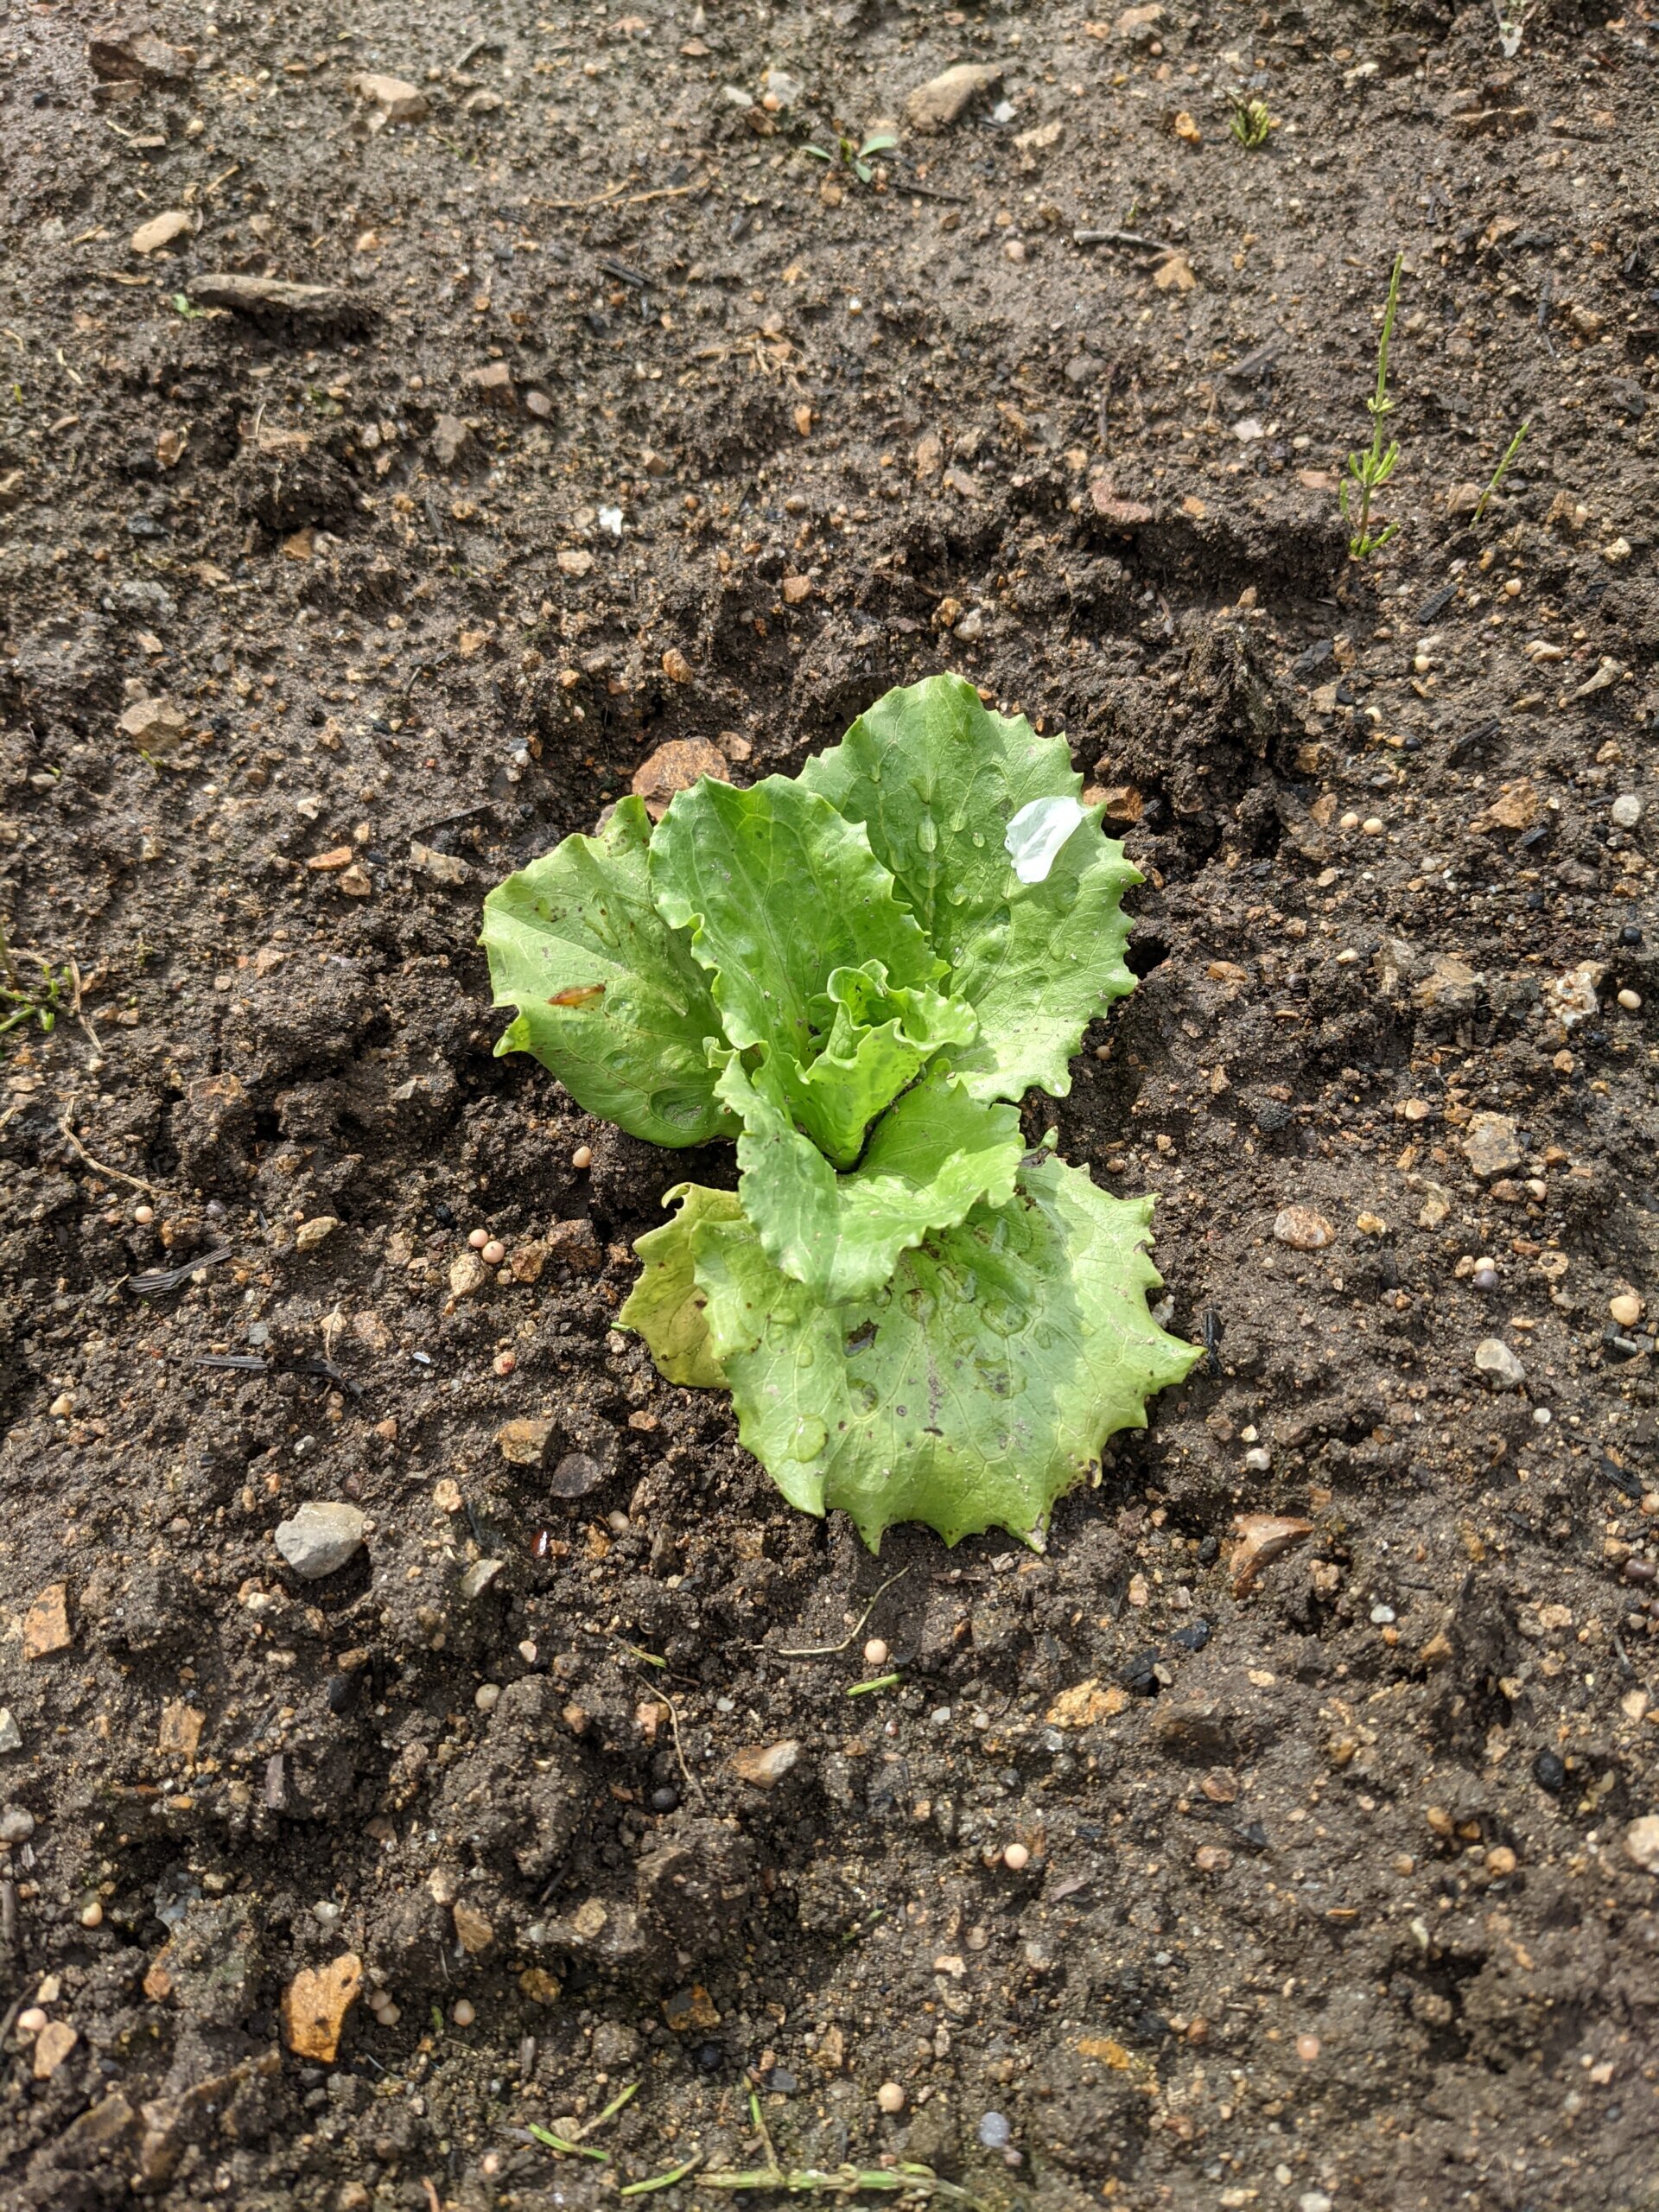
319, 1539
478, 1239
1549, 1773
582, 1157
527, 1652
994, 2131
1494, 1359
1485, 1274
144, 1216
494, 1253
92, 1916
1016, 1858
32, 2021
890, 2097
1307, 2049
665, 1799
504, 1362
875, 1653
16, 1824
1626, 1309
1630, 1001
487, 1696
1500, 1860
461, 2012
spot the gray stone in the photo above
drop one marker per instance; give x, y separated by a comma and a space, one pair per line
1491, 1144
11, 1736
319, 1538
1498, 1364
936, 104
1626, 811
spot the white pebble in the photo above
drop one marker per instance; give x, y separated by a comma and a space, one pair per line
527, 1652
582, 1156
494, 1253
32, 2021
144, 1216
1016, 1858
875, 1653
1541, 1416
478, 1239
890, 2097
487, 1696
461, 2012
1258, 1458
1630, 1001
92, 1916
388, 2014
1626, 811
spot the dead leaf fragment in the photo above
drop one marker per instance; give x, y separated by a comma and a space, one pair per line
46, 1624
1263, 1537
161, 230
674, 767
473, 1930
314, 2005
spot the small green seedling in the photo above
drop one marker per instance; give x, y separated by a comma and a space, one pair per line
21, 1002
1250, 123
1371, 470
1501, 470
854, 154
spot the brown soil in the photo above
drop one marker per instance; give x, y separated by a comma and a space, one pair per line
1333, 1896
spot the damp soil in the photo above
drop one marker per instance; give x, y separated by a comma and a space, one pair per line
1154, 1879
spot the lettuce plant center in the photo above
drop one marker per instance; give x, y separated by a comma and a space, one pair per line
854, 975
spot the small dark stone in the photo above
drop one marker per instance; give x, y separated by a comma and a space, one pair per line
341, 1692
1630, 934
444, 1214
576, 1476
783, 2082
1193, 1637
1254, 1837
1549, 1773
710, 2057
1141, 1676
1208, 1550
664, 1800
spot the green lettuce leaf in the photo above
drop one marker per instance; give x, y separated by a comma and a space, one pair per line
969, 1391
878, 1039
779, 892
936, 779
665, 1306
580, 927
931, 1157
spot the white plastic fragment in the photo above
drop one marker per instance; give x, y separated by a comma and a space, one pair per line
1036, 834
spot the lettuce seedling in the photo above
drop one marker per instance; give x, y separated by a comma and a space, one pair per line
855, 973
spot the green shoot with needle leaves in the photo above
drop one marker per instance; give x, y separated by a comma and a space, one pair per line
1369, 471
